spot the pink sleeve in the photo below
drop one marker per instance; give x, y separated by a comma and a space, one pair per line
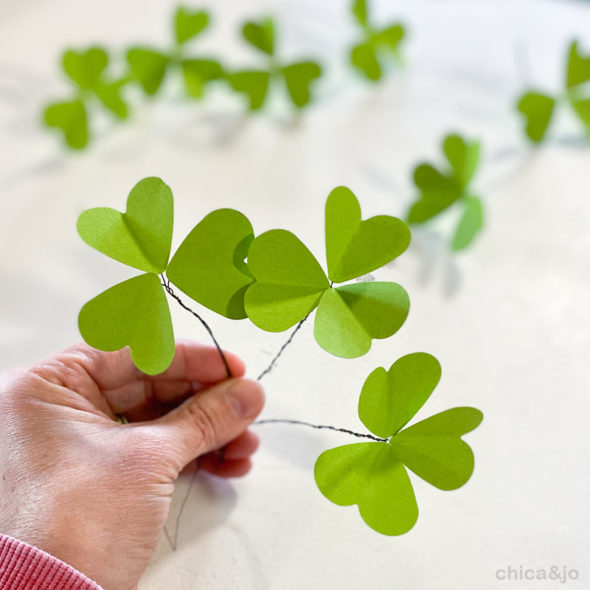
24, 567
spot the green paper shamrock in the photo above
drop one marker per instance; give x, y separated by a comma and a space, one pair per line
290, 283
374, 475
537, 108
135, 312
254, 84
438, 190
86, 69
366, 55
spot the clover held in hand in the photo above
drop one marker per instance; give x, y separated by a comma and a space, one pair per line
374, 475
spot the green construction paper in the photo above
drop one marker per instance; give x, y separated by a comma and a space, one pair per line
148, 67
537, 109
110, 96
72, 119
85, 67
372, 476
390, 399
289, 281
198, 72
188, 24
261, 35
582, 107
140, 237
355, 247
364, 58
578, 67
254, 84
433, 448
438, 192
392, 36
298, 79
470, 224
350, 317
463, 157
134, 313
209, 265
360, 11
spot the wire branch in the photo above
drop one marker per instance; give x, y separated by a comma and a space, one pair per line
320, 427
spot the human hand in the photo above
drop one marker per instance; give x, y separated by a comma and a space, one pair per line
96, 493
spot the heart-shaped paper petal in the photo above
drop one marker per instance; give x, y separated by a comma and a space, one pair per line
110, 96
85, 67
72, 119
148, 67
364, 58
372, 476
140, 237
254, 84
537, 109
209, 265
189, 24
289, 281
350, 317
582, 108
390, 399
355, 247
392, 36
470, 224
578, 66
298, 78
198, 72
360, 12
463, 157
433, 448
261, 35
134, 313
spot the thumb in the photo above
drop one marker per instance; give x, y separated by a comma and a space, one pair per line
209, 419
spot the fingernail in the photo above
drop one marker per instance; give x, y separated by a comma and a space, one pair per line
246, 398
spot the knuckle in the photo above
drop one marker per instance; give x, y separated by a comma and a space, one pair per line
206, 424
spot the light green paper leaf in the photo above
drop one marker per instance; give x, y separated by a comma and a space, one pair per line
289, 281
355, 247
254, 84
198, 72
72, 119
582, 108
433, 449
134, 313
463, 157
392, 36
578, 67
140, 237
390, 399
298, 78
260, 34
364, 58
371, 475
110, 96
360, 12
85, 67
188, 24
148, 67
470, 224
209, 265
350, 317
537, 110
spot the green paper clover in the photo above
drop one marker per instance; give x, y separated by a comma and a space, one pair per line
373, 475
298, 77
367, 55
86, 70
439, 190
537, 108
290, 283
135, 312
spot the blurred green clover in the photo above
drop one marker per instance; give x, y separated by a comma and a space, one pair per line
298, 77
438, 190
376, 44
537, 108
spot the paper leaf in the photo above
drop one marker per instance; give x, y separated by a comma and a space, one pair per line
350, 317
355, 247
189, 24
537, 110
360, 11
140, 237
372, 476
438, 192
198, 72
463, 157
254, 84
209, 265
134, 313
289, 281
470, 224
85, 67
582, 108
364, 58
578, 66
390, 399
392, 36
261, 35
433, 448
110, 96
72, 119
148, 67
298, 78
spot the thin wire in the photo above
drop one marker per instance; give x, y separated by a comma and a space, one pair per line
320, 427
